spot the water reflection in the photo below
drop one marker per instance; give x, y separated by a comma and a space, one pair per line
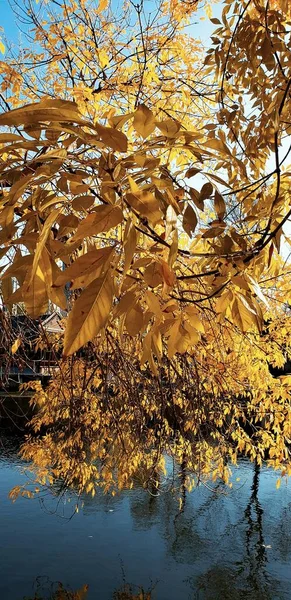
256, 553
225, 544
224, 535
224, 530
9, 449
249, 578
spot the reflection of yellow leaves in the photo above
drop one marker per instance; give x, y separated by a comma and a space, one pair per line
81, 594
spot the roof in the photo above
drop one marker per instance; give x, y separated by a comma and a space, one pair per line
23, 325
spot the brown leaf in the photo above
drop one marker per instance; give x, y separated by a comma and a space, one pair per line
189, 220
206, 191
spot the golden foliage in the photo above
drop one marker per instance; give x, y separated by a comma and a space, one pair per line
165, 281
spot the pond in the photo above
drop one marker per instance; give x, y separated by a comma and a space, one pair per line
226, 544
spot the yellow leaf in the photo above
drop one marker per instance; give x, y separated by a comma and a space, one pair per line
16, 345
10, 137
89, 314
20, 186
278, 484
223, 301
216, 144
153, 275
192, 336
103, 58
2, 47
144, 121
125, 303
285, 380
173, 252
147, 355
112, 137
129, 245
206, 191
173, 337
51, 271
146, 204
219, 205
102, 6
85, 268
168, 274
35, 294
256, 288
153, 303
134, 319
6, 216
169, 127
46, 110
42, 240
194, 319
243, 314
208, 10
49, 154
104, 217
133, 185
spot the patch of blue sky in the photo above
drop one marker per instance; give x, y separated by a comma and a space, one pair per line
8, 22
201, 28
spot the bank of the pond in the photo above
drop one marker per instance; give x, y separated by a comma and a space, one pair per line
225, 545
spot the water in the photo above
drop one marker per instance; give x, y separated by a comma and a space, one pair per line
225, 545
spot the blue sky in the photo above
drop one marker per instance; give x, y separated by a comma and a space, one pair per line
202, 29
7, 21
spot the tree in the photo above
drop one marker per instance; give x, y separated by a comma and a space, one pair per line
108, 59
176, 309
